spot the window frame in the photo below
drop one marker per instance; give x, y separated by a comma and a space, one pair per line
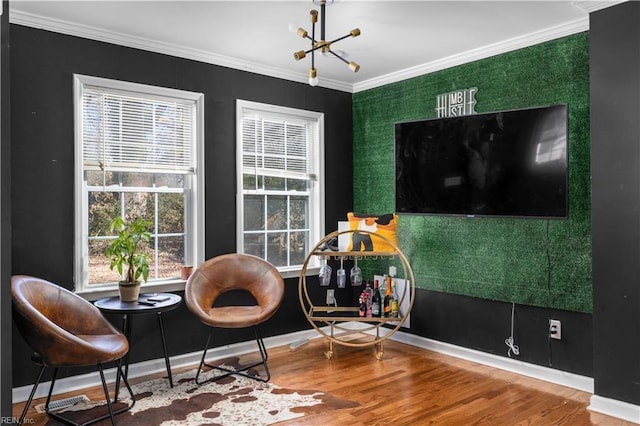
194, 214
316, 169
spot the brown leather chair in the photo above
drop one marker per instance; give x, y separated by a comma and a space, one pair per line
231, 272
65, 330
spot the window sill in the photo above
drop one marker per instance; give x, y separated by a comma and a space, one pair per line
154, 287
168, 286
296, 273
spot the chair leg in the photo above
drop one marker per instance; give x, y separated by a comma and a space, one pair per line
106, 395
204, 354
53, 382
33, 392
243, 370
126, 383
111, 414
263, 354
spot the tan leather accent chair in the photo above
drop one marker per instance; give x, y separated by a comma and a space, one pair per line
235, 272
65, 330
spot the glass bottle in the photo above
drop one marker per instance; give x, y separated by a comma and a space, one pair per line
368, 295
387, 297
395, 308
363, 305
376, 301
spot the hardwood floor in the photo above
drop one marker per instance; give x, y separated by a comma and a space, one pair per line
411, 386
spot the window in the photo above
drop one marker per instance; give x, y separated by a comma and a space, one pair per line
139, 152
280, 195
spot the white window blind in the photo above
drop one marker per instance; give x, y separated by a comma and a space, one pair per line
275, 147
139, 152
123, 132
280, 198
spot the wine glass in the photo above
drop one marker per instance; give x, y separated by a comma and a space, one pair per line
325, 275
355, 275
341, 275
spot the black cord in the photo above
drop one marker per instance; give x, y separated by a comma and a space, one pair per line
510, 341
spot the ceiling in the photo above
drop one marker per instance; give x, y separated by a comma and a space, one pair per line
400, 39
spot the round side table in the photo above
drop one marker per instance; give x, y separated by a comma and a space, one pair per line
159, 303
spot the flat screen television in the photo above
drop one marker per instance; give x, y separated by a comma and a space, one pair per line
506, 163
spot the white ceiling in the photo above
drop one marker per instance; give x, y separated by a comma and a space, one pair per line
400, 39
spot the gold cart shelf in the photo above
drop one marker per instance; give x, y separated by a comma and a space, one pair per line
342, 324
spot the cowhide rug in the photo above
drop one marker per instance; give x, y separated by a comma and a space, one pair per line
233, 400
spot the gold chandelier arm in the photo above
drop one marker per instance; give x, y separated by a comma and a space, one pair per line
302, 33
352, 65
303, 53
353, 33
338, 56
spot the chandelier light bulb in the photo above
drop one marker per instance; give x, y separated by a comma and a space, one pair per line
313, 77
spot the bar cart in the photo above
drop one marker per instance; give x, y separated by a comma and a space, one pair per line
342, 324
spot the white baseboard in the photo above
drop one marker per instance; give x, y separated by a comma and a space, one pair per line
145, 368
615, 408
513, 365
610, 407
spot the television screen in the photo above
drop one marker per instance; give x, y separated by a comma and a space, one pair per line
507, 163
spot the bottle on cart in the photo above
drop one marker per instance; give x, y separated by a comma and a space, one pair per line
395, 308
387, 297
363, 305
368, 295
376, 301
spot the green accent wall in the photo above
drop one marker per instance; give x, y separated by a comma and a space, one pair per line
538, 262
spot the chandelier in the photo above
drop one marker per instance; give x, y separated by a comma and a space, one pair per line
323, 45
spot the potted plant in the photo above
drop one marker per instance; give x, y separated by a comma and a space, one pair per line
126, 254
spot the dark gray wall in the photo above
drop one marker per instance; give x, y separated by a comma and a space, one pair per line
484, 325
42, 65
615, 166
5, 219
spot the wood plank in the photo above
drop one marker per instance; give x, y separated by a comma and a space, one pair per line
413, 386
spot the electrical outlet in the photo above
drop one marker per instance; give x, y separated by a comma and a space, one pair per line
555, 329
330, 297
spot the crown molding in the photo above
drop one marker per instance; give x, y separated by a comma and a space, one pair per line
595, 5
484, 52
77, 30
91, 33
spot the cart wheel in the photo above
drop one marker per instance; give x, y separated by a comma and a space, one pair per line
379, 351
